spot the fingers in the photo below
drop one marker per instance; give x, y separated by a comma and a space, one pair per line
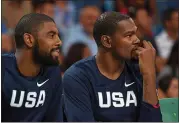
140, 48
150, 44
138, 52
147, 44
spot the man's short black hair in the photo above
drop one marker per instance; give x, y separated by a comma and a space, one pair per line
167, 15
29, 24
38, 3
106, 24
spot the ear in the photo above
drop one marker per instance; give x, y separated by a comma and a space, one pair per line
29, 40
106, 41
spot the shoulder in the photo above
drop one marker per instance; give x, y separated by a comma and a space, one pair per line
80, 71
6, 63
7, 57
83, 65
7, 60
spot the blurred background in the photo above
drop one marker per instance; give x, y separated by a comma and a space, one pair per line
157, 21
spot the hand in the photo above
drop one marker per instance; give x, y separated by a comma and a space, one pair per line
146, 56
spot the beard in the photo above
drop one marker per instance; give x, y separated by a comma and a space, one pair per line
44, 58
118, 56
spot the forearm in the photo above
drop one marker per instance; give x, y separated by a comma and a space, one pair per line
149, 89
149, 112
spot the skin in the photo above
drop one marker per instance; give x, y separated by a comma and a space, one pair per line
172, 91
145, 23
144, 28
8, 44
47, 9
124, 45
172, 24
47, 39
88, 16
172, 30
121, 43
61, 4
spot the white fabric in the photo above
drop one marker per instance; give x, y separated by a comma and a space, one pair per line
164, 44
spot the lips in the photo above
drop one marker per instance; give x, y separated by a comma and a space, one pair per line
133, 53
134, 49
55, 52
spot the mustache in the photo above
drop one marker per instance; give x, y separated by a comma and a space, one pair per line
138, 45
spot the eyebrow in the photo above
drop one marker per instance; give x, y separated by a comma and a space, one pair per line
53, 32
130, 31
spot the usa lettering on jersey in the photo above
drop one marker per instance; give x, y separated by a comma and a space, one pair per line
116, 99
32, 100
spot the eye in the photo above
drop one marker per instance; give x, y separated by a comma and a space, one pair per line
128, 36
51, 35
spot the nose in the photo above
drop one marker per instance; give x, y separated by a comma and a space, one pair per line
136, 40
59, 42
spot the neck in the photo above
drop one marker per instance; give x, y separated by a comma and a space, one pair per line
25, 63
108, 65
172, 34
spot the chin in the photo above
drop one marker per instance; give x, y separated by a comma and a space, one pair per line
51, 62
